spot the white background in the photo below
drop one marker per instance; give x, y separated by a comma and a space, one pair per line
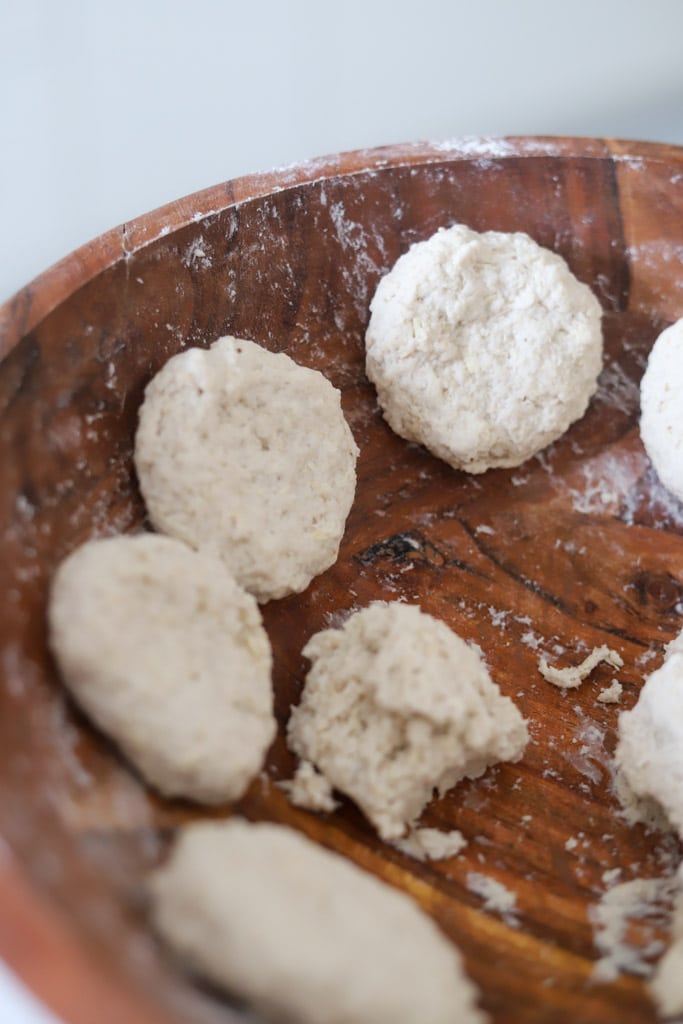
108, 110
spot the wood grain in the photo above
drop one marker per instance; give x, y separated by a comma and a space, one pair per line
576, 548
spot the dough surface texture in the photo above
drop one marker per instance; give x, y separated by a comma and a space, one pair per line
243, 453
396, 705
483, 347
650, 748
302, 934
661, 420
166, 654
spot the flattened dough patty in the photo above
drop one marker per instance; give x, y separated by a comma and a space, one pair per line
650, 749
167, 654
243, 453
302, 934
661, 421
396, 705
483, 347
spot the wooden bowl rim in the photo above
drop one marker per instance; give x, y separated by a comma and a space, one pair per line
37, 939
31, 304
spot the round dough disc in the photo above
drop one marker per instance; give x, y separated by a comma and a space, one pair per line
395, 706
243, 453
166, 653
483, 347
661, 421
302, 934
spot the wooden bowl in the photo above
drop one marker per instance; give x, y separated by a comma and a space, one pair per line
578, 547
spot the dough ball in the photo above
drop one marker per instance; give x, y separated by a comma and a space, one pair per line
650, 749
244, 454
396, 705
483, 347
167, 655
302, 934
661, 422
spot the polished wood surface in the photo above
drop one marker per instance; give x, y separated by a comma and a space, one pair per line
576, 548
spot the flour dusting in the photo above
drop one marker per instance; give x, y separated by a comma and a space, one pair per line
623, 948
497, 897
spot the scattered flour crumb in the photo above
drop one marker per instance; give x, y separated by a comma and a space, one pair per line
571, 843
309, 789
611, 694
611, 877
531, 639
637, 900
496, 896
485, 529
573, 675
431, 844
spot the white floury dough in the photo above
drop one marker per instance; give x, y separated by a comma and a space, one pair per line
667, 983
431, 844
483, 347
302, 934
395, 706
243, 453
649, 754
661, 421
167, 655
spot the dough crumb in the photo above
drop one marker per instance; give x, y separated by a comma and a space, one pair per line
431, 844
302, 934
309, 789
573, 675
611, 694
496, 896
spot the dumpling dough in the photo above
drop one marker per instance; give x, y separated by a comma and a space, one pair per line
395, 706
166, 653
483, 347
650, 750
244, 454
661, 421
302, 934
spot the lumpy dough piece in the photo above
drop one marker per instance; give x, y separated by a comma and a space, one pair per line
302, 934
166, 653
244, 453
395, 706
661, 421
483, 347
650, 749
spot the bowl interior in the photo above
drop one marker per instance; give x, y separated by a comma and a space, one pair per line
578, 547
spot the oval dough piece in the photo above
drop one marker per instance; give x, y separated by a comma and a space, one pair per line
395, 706
483, 347
302, 934
166, 653
243, 453
661, 421
650, 749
